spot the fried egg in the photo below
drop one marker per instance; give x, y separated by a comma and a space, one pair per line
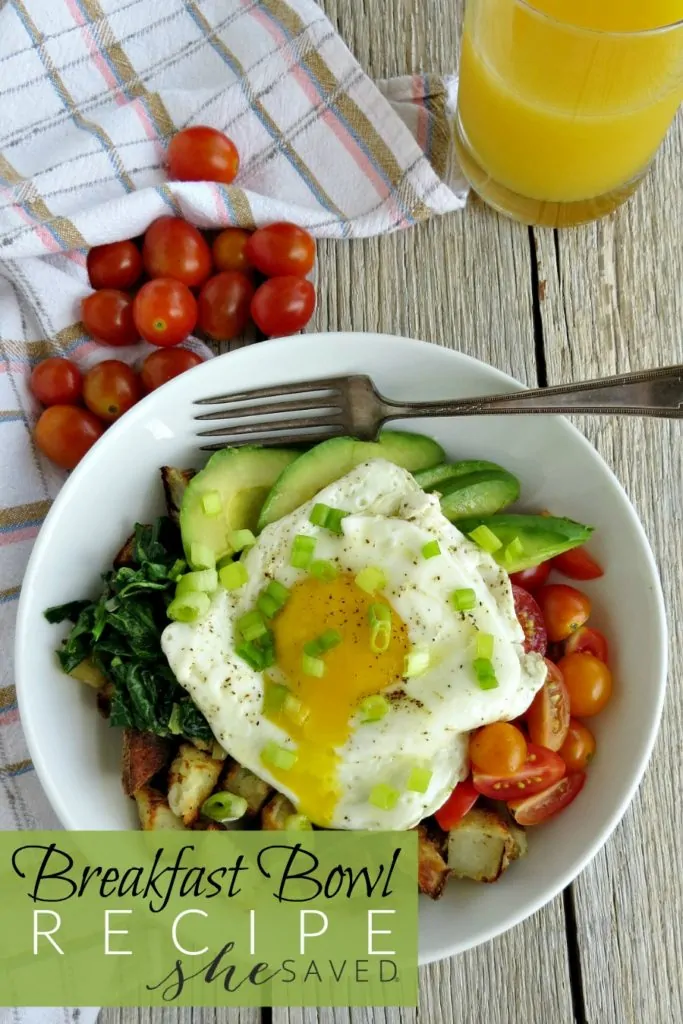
341, 764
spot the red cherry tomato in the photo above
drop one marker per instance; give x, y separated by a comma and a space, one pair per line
588, 682
542, 806
548, 717
165, 311
161, 366
578, 749
108, 316
462, 799
202, 154
56, 381
173, 248
577, 564
65, 433
531, 579
116, 265
531, 621
587, 640
564, 609
282, 249
541, 769
111, 388
229, 250
224, 303
283, 305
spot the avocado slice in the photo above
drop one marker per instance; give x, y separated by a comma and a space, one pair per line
429, 479
540, 537
242, 477
478, 494
332, 459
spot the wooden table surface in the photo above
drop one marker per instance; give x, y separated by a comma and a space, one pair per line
546, 307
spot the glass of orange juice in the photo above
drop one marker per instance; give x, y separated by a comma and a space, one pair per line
563, 104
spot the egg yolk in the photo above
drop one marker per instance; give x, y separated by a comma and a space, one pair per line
352, 671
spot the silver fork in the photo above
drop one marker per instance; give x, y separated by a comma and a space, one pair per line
313, 410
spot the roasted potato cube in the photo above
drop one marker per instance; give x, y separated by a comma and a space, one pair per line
432, 869
274, 815
240, 781
126, 556
175, 481
481, 846
144, 754
202, 825
155, 814
211, 747
191, 779
87, 672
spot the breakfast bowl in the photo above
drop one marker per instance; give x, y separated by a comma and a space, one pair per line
77, 755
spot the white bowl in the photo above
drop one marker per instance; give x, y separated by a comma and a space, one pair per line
77, 755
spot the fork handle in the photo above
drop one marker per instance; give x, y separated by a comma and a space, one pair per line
643, 393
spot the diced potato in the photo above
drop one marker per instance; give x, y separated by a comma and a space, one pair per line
432, 870
240, 781
155, 814
275, 814
175, 481
481, 846
211, 747
87, 672
520, 843
191, 779
202, 825
144, 754
126, 556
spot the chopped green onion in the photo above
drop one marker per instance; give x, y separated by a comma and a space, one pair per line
416, 663
201, 581
253, 656
178, 568
251, 625
464, 599
379, 613
233, 576
267, 605
302, 551
298, 823
486, 539
319, 514
322, 570
380, 627
325, 642
189, 607
312, 666
241, 539
419, 779
484, 646
174, 721
266, 644
212, 503
202, 557
485, 673
274, 697
224, 806
279, 592
334, 520
384, 797
431, 549
514, 550
374, 708
371, 579
295, 710
275, 756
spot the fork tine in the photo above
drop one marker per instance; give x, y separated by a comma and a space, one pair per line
272, 426
284, 439
296, 388
267, 409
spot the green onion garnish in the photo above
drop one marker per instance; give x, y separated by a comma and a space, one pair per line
267, 605
266, 644
514, 550
189, 607
302, 551
463, 600
253, 656
484, 646
486, 539
241, 539
384, 797
275, 756
325, 642
416, 663
201, 581
233, 576
319, 514
202, 557
380, 627
334, 520
177, 569
224, 806
374, 708
251, 625
279, 592
322, 570
371, 579
295, 710
212, 503
485, 673
312, 666
274, 697
431, 549
174, 724
419, 779
379, 613
298, 823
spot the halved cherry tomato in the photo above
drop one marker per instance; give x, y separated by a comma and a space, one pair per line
587, 640
224, 305
578, 749
200, 153
531, 579
498, 749
282, 249
577, 564
166, 363
564, 609
541, 769
115, 265
173, 248
588, 682
283, 305
56, 381
165, 311
111, 388
548, 717
229, 250
462, 799
108, 316
65, 433
531, 620
542, 806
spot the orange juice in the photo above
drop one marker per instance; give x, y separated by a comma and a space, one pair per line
566, 101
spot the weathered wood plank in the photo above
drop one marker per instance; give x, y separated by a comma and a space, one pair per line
180, 1015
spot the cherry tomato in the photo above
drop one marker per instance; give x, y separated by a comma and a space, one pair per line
56, 381
224, 305
283, 305
108, 316
587, 640
174, 248
548, 717
564, 609
498, 749
161, 366
535, 809
202, 154
65, 433
577, 564
531, 579
541, 769
462, 799
111, 388
588, 682
282, 249
229, 250
531, 620
116, 265
165, 311
578, 749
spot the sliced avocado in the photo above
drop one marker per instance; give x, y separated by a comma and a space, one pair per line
540, 537
332, 459
478, 494
242, 477
429, 479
